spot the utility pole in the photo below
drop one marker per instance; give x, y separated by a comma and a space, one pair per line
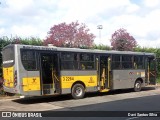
100, 27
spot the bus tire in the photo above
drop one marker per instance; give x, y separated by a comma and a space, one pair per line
78, 91
137, 86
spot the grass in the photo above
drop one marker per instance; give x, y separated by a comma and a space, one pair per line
158, 80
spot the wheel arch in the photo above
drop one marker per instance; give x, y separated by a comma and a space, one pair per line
139, 79
79, 82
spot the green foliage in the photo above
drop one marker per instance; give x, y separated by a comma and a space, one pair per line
151, 50
145, 49
158, 80
27, 41
102, 47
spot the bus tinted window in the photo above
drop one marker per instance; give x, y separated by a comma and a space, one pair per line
68, 56
28, 59
8, 56
87, 62
116, 62
69, 61
138, 62
127, 62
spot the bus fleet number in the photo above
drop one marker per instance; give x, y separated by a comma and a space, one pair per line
68, 78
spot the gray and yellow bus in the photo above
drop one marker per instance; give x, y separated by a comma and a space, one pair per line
48, 70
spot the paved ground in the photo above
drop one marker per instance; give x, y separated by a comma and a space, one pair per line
120, 100
66, 102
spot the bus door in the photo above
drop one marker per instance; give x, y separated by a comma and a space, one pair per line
104, 73
151, 70
49, 73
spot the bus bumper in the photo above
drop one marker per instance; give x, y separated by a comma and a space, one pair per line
10, 90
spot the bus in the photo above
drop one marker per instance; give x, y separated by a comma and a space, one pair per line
48, 70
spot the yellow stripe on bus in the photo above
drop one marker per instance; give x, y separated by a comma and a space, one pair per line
67, 81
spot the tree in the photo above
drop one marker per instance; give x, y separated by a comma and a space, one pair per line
121, 40
158, 61
70, 35
27, 41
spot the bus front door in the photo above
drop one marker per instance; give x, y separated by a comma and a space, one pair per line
49, 73
152, 71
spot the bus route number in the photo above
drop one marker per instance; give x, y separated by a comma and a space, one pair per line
68, 78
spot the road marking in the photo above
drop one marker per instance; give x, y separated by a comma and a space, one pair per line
132, 118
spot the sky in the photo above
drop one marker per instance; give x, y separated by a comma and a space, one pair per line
26, 18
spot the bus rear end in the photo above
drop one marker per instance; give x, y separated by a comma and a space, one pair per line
9, 69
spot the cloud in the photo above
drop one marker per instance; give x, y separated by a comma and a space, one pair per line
151, 3
36, 17
2, 30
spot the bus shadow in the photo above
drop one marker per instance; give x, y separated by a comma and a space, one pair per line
52, 98
119, 91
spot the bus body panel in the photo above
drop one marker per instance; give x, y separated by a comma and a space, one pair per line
31, 84
126, 78
88, 77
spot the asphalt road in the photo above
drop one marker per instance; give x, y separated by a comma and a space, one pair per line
142, 106
94, 104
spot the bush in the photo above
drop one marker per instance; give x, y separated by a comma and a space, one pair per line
1, 86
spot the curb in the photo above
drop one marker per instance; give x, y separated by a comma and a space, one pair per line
8, 97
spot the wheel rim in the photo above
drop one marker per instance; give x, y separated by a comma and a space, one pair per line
78, 91
138, 86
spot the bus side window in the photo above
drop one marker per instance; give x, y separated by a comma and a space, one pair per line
87, 62
138, 62
126, 61
28, 58
116, 62
69, 61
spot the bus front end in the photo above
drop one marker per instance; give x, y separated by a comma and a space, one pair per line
9, 69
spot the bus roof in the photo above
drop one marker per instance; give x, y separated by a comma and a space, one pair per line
53, 48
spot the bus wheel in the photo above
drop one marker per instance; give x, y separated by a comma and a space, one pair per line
78, 91
137, 86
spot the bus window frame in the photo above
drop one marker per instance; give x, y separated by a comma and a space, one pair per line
136, 65
126, 62
35, 60
93, 62
72, 61
112, 61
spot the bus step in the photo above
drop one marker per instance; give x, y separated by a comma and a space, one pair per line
104, 90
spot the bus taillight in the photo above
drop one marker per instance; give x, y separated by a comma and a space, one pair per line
15, 78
